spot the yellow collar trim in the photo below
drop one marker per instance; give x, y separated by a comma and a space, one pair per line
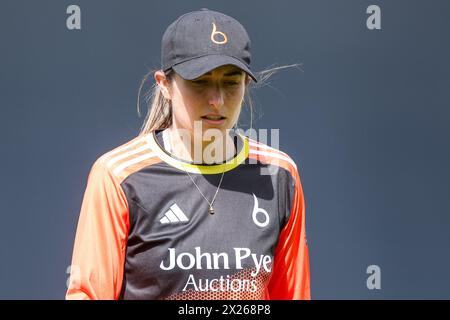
202, 169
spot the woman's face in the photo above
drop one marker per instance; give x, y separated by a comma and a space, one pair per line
214, 99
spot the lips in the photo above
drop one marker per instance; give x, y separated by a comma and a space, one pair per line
214, 117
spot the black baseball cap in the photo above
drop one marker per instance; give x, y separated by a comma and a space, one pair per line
200, 41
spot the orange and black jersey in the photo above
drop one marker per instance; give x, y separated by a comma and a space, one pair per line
145, 231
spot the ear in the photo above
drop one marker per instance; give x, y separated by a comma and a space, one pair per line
163, 84
247, 79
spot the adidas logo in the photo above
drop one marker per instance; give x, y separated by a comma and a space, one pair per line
174, 215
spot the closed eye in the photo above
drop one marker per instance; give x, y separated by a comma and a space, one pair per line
203, 82
231, 83
199, 82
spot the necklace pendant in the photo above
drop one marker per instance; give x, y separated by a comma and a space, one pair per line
211, 210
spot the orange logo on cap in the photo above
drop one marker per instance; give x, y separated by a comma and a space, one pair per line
215, 32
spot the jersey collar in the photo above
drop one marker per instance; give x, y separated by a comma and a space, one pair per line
198, 168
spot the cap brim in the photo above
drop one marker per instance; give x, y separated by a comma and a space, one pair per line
194, 68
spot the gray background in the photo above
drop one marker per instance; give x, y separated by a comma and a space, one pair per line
367, 122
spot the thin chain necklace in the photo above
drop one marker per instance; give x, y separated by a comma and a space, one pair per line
211, 208
168, 146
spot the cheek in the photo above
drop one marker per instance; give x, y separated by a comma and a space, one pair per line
235, 100
234, 106
184, 97
184, 106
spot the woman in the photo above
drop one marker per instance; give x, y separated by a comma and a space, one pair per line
186, 210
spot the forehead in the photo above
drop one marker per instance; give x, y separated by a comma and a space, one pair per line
227, 71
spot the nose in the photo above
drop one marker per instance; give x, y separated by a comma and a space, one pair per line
215, 98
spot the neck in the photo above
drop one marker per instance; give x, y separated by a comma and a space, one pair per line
207, 147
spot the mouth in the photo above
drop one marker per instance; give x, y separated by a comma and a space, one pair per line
214, 119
